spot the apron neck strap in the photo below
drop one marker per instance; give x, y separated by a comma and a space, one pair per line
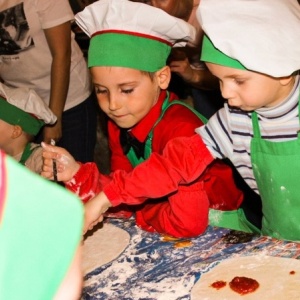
255, 125
26, 153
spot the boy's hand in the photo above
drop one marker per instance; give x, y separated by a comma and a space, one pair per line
66, 165
94, 210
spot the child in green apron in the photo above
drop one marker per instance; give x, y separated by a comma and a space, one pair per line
256, 59
257, 64
131, 77
39, 258
22, 115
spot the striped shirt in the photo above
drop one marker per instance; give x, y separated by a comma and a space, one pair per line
228, 133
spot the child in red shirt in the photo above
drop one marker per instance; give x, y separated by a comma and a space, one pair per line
131, 86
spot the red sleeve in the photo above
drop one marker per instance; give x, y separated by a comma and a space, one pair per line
185, 214
218, 178
183, 161
87, 182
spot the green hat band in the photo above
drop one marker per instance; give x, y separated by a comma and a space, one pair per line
15, 116
211, 54
129, 50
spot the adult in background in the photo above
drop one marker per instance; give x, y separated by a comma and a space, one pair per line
38, 51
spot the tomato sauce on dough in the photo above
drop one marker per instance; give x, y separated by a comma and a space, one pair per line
243, 285
219, 284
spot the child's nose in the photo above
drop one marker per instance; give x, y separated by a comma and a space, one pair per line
226, 91
114, 104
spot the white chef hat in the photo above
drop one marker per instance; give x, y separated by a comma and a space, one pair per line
257, 35
22, 106
131, 34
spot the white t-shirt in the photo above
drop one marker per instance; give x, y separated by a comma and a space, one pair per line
25, 58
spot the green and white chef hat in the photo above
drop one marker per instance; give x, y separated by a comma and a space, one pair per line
23, 107
257, 35
131, 34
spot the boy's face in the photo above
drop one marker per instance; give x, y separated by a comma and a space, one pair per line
125, 95
250, 90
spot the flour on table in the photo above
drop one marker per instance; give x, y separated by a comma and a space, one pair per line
278, 279
103, 245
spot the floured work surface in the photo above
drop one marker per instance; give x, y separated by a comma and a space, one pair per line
278, 278
102, 245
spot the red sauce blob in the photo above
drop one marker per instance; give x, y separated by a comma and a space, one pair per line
292, 273
218, 284
243, 285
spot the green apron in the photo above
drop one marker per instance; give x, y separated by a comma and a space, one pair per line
26, 153
234, 219
275, 166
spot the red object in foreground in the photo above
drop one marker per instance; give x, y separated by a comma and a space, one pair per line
243, 285
218, 284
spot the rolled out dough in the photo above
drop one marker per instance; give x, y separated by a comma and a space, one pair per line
279, 278
103, 245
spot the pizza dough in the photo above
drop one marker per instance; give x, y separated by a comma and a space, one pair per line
279, 278
103, 245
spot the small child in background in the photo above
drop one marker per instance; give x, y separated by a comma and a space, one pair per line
127, 57
22, 115
257, 63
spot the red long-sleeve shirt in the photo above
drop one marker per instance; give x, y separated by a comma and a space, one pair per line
169, 195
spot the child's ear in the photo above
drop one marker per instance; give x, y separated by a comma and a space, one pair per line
286, 80
17, 131
163, 77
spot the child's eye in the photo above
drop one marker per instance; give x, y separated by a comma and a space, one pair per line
100, 91
239, 81
129, 91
